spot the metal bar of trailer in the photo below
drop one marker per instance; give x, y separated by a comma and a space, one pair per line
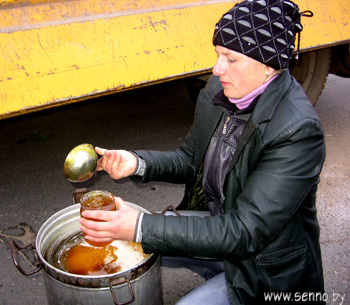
58, 52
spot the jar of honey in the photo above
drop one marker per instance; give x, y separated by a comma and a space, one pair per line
97, 200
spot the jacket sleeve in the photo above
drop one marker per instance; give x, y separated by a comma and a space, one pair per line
168, 166
287, 169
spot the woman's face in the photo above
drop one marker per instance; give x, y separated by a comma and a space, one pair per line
239, 74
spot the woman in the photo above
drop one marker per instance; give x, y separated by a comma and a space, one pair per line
252, 158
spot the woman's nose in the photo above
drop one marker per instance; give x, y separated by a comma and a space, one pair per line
218, 68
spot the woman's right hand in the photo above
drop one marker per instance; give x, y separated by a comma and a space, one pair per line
117, 163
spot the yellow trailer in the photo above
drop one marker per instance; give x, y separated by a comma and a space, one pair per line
55, 52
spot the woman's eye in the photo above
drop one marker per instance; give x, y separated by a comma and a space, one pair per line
231, 60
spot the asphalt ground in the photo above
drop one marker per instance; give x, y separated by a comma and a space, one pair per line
33, 187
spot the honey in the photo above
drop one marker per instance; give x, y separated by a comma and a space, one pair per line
85, 260
82, 259
97, 202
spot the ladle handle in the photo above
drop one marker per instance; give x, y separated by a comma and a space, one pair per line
120, 281
14, 245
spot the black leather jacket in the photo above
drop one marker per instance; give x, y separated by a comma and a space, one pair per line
268, 235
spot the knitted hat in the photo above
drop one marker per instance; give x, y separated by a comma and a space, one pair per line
261, 29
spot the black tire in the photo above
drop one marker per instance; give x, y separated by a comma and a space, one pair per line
311, 71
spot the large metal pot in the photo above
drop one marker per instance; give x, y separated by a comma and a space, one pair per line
138, 285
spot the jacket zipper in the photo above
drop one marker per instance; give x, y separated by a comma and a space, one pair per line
224, 129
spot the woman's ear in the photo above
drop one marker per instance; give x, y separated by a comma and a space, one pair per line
269, 72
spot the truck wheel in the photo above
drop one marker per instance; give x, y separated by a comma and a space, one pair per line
311, 71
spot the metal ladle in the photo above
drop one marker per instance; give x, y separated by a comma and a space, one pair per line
80, 163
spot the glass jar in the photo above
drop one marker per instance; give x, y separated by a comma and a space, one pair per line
97, 200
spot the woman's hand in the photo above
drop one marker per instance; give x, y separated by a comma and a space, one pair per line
105, 226
117, 163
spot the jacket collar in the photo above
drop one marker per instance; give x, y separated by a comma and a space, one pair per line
271, 97
210, 116
263, 110
269, 100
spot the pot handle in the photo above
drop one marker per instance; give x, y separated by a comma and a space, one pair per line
78, 193
14, 245
166, 209
120, 281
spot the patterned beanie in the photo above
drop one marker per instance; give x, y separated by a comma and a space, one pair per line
264, 30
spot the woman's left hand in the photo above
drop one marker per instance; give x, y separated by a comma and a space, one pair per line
105, 226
